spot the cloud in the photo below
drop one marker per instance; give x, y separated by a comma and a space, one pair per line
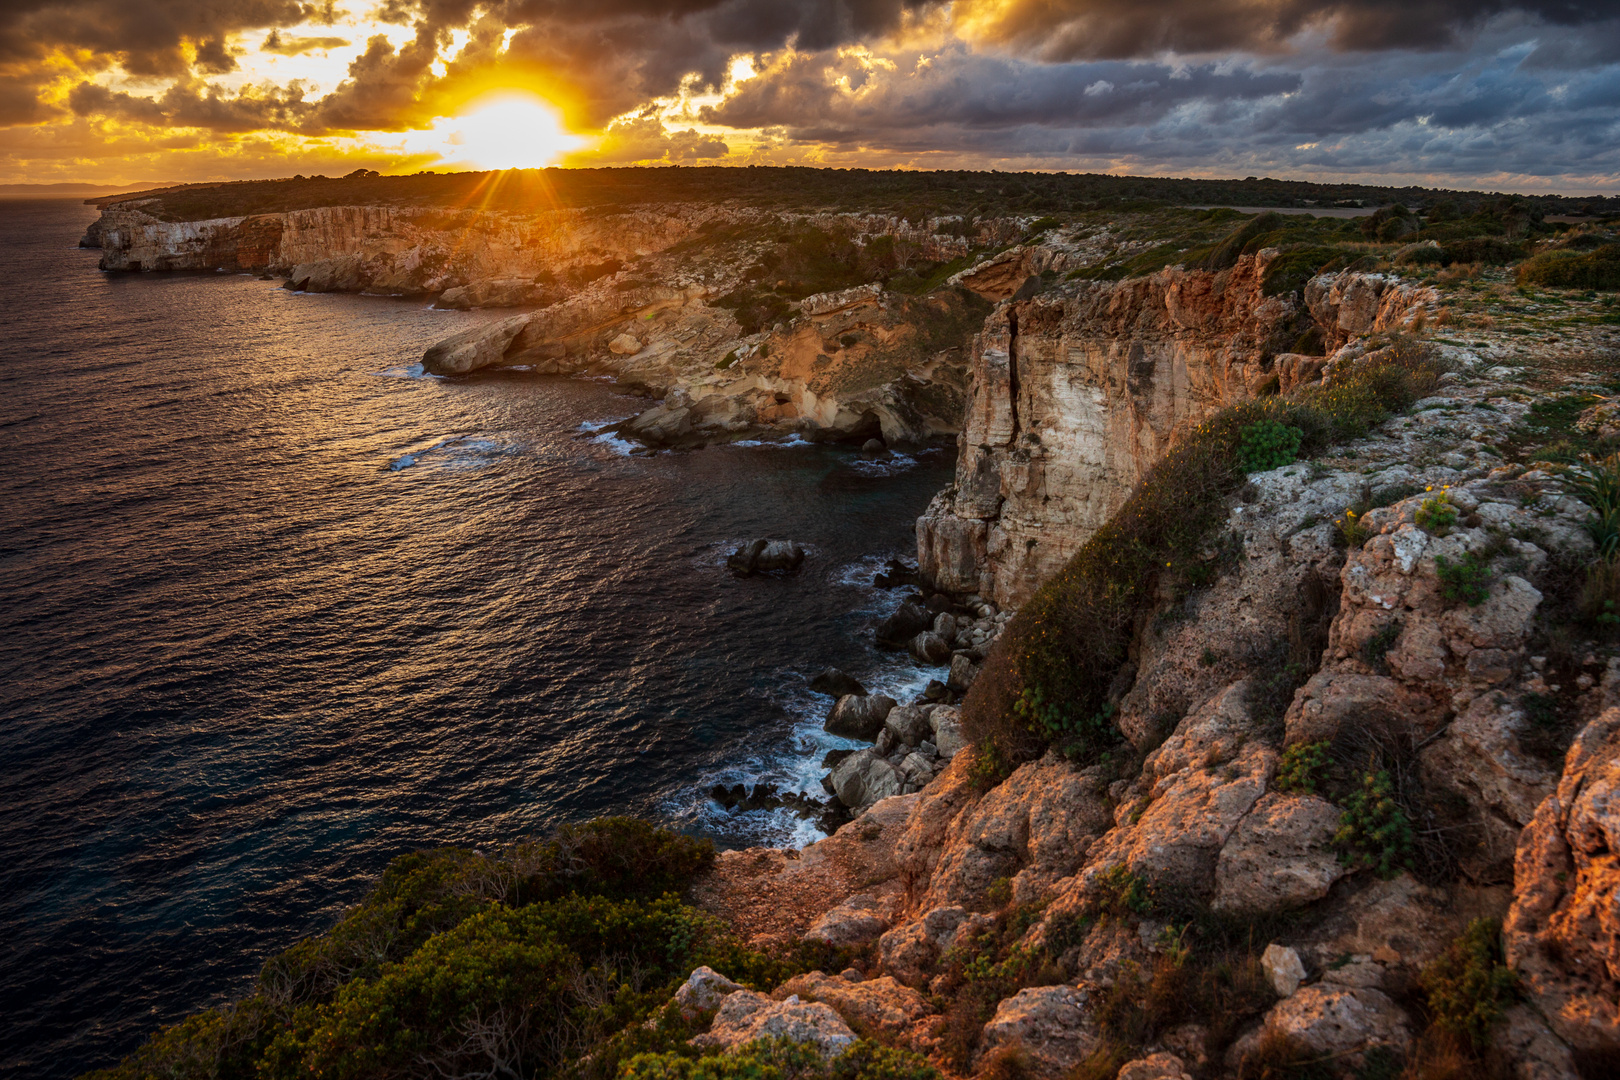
645, 140
1443, 87
274, 42
1119, 29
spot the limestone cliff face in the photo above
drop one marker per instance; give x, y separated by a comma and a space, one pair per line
384, 249
421, 251
1078, 391
1075, 394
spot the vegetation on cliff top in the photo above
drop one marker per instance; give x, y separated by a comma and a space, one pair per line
548, 959
917, 195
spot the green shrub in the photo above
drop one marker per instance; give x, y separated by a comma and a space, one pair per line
1267, 444
1598, 269
1469, 986
1119, 893
1490, 250
1228, 251
1466, 581
1436, 515
1374, 832
1352, 530
1301, 767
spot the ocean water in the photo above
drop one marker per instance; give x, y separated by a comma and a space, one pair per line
275, 608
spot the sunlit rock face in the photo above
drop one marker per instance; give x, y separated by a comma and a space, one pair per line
386, 249
1075, 394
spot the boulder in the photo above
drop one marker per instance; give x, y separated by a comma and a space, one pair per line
1524, 1039
1283, 968
702, 992
1337, 1021
1160, 1066
946, 720
624, 345
479, 347
1563, 931
855, 716
1280, 855
765, 556
963, 672
911, 953
745, 1017
856, 921
910, 724
835, 683
862, 779
880, 1004
1050, 1024
909, 620
929, 649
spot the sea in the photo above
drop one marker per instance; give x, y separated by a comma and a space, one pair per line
276, 607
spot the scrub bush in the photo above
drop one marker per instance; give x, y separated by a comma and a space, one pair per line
1301, 767
1598, 269
1375, 832
1466, 581
1436, 515
1266, 445
1469, 986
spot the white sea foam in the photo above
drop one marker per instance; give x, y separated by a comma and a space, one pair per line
404, 371
883, 466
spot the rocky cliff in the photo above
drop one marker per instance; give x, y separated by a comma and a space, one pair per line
1077, 390
1070, 916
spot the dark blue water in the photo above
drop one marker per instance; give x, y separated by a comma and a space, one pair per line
275, 608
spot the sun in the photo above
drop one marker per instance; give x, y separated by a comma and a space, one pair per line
509, 130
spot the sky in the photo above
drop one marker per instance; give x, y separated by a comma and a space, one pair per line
1511, 95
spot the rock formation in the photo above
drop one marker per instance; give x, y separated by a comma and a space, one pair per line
1077, 391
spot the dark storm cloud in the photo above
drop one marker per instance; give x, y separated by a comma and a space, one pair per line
977, 91
147, 37
1474, 113
1117, 29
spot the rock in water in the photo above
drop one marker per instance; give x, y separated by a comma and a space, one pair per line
874, 448
857, 716
835, 683
906, 623
764, 556
929, 649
